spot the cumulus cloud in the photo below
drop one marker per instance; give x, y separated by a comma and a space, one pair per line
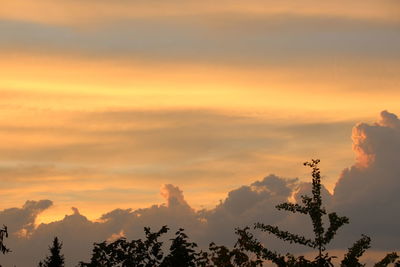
23, 219
241, 207
368, 191
368, 187
246, 205
174, 196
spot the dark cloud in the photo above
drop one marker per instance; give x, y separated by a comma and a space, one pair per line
369, 191
248, 204
23, 219
246, 39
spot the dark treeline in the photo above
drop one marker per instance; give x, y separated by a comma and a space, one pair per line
247, 252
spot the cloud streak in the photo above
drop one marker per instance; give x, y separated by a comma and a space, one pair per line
82, 12
112, 153
274, 40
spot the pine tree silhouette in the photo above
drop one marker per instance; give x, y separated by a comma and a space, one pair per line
55, 259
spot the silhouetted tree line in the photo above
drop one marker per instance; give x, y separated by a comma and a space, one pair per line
247, 252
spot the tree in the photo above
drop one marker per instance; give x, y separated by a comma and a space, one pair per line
388, 259
222, 256
182, 252
149, 253
55, 259
355, 252
248, 251
135, 253
311, 206
3, 234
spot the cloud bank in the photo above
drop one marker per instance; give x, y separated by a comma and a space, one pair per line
119, 159
367, 192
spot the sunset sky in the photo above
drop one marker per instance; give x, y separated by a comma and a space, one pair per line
103, 103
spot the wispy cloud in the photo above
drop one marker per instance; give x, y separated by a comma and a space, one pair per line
92, 12
248, 40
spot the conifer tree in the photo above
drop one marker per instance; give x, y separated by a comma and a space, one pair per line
55, 259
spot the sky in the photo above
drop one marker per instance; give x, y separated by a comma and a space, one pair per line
109, 105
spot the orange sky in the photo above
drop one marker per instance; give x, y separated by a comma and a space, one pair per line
100, 109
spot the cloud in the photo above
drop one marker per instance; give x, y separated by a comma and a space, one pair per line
23, 219
104, 157
363, 189
248, 204
81, 12
368, 192
218, 224
174, 196
281, 40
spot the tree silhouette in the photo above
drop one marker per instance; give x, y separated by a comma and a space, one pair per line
135, 253
55, 259
311, 206
182, 252
248, 251
222, 256
356, 251
388, 259
3, 234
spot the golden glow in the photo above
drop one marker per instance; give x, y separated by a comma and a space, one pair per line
105, 130
76, 84
70, 87
81, 12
